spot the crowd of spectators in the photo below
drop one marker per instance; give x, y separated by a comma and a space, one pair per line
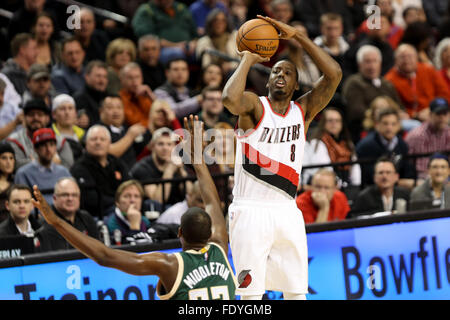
92, 113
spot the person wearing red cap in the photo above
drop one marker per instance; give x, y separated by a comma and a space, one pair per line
42, 172
37, 116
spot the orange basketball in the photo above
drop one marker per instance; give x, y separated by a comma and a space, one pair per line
258, 36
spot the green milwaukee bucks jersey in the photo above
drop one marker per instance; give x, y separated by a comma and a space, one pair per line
202, 275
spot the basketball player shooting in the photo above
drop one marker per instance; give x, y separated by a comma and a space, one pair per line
267, 231
200, 271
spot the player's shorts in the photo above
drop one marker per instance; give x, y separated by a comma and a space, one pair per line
268, 245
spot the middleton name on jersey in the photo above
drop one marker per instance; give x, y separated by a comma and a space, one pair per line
203, 272
285, 134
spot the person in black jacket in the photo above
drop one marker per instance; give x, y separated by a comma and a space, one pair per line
88, 99
384, 195
66, 204
20, 221
385, 141
98, 173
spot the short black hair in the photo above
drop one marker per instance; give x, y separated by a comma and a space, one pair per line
386, 159
175, 59
196, 225
19, 187
437, 155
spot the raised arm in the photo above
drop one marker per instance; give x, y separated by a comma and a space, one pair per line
155, 263
208, 189
316, 99
239, 102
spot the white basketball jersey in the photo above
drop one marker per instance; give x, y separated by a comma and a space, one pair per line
269, 157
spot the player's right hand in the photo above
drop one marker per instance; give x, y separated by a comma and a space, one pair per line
252, 57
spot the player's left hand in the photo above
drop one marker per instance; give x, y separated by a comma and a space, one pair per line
41, 204
286, 31
196, 146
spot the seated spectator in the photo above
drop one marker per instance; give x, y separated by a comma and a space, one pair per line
435, 188
385, 141
127, 216
89, 97
126, 141
161, 115
98, 173
442, 60
39, 85
308, 73
149, 50
67, 76
380, 103
324, 202
331, 38
331, 142
160, 165
211, 76
172, 22
200, 10
64, 114
11, 117
49, 49
42, 171
360, 89
432, 136
19, 205
220, 36
384, 195
119, 53
93, 40
416, 83
24, 53
174, 213
137, 97
212, 108
37, 116
7, 162
376, 37
175, 90
66, 204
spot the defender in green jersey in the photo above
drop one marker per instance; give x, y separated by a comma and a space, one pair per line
201, 271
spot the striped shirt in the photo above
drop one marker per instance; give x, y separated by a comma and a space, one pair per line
424, 139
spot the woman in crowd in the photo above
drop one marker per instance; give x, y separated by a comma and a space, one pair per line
442, 60
220, 36
49, 50
331, 142
7, 164
211, 76
118, 53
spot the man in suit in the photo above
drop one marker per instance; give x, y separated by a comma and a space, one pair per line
20, 220
384, 195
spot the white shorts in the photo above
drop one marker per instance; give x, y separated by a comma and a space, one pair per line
268, 245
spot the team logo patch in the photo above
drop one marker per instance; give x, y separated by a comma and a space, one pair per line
244, 278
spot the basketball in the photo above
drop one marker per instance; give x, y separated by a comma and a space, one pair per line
258, 36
